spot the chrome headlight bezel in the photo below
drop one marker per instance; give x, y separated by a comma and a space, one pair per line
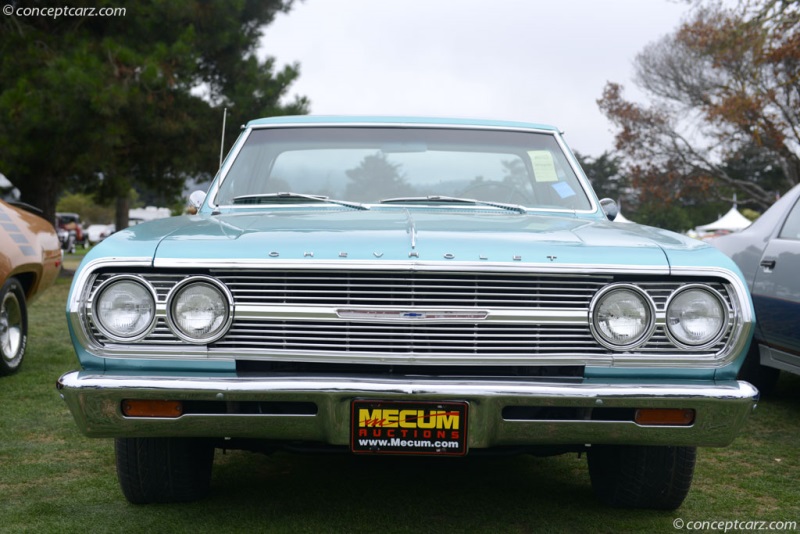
97, 320
226, 300
712, 340
599, 299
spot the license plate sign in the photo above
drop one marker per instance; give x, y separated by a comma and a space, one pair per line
409, 427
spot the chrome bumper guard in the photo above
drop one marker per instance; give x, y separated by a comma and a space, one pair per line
721, 408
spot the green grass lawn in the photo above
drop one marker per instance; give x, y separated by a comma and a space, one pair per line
52, 479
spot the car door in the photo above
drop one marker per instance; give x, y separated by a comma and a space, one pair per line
776, 293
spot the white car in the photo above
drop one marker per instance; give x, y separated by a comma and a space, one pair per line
98, 232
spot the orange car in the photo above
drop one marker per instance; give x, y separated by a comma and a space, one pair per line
30, 260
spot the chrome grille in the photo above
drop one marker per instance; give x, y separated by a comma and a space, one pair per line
409, 288
256, 337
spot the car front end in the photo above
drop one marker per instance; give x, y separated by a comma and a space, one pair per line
414, 286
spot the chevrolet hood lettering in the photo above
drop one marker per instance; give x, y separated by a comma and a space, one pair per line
469, 237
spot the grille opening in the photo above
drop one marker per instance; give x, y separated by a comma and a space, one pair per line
252, 368
273, 334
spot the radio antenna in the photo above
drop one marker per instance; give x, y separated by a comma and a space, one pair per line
222, 144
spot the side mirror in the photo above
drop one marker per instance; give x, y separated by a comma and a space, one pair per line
610, 208
196, 200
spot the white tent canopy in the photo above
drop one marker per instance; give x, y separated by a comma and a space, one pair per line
732, 221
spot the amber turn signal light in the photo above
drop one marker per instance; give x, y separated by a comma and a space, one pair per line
152, 408
664, 416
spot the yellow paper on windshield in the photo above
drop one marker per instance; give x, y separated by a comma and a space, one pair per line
544, 168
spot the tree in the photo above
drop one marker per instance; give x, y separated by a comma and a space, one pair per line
131, 100
605, 174
724, 87
376, 178
90, 212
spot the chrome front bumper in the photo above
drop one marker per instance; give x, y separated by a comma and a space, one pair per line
721, 408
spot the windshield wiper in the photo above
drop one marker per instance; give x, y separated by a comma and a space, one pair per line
266, 198
436, 198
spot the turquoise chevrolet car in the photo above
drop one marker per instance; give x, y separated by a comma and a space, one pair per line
407, 286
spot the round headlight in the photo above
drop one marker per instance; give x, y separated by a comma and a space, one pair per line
124, 309
696, 316
622, 317
199, 310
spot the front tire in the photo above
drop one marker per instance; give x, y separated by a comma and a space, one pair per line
13, 326
164, 470
631, 476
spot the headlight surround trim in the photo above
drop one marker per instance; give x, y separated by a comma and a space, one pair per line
180, 290
710, 341
97, 299
647, 303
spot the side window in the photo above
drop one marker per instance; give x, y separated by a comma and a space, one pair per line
791, 228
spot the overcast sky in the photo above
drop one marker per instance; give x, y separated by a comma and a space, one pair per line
539, 61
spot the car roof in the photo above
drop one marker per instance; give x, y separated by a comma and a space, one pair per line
353, 120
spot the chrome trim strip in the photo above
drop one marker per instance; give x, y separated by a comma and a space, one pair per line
409, 124
211, 196
721, 408
412, 229
458, 314
410, 314
413, 265
588, 190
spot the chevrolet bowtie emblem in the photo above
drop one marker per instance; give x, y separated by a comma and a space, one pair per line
375, 314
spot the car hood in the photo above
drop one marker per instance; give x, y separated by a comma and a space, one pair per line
404, 235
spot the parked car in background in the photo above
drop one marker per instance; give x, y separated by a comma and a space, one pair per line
66, 240
8, 191
30, 260
768, 253
97, 232
71, 222
409, 286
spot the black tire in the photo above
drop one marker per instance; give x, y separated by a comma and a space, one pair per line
762, 377
164, 470
13, 326
631, 476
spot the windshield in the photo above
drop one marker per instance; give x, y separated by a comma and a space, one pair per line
402, 166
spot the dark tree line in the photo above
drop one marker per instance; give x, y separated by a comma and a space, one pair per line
104, 104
